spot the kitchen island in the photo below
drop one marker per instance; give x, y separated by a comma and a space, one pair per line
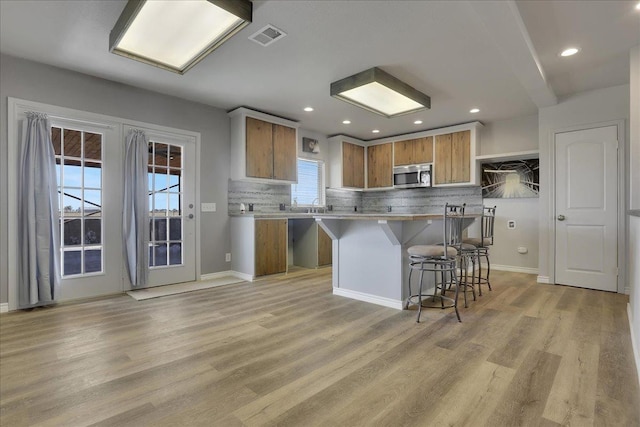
370, 261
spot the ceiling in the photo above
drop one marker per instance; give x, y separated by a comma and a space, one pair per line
498, 56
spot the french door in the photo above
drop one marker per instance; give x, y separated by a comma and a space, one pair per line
172, 225
89, 155
88, 169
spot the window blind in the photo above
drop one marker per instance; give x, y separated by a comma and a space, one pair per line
310, 186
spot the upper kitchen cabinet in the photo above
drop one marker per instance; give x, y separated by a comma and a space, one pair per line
263, 147
346, 163
413, 151
454, 161
379, 166
453, 158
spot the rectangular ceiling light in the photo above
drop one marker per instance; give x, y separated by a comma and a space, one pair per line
176, 34
380, 93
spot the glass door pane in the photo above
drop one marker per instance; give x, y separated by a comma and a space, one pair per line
165, 171
79, 175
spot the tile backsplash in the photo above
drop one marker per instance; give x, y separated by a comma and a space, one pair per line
268, 197
265, 197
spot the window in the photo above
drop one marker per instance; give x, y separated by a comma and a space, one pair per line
310, 186
79, 174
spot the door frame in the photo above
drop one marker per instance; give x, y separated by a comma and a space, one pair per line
622, 200
16, 105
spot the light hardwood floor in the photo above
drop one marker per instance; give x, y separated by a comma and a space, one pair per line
285, 351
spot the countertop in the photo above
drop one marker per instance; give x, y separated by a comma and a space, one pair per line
345, 215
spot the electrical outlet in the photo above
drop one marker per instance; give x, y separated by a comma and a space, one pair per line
227, 257
511, 224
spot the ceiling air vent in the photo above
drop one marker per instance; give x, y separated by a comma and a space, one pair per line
267, 35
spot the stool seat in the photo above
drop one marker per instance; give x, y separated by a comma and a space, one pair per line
468, 247
477, 241
431, 251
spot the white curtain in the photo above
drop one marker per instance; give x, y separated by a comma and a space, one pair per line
135, 219
38, 215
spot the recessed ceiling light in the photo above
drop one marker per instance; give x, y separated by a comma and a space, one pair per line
308, 109
474, 110
346, 122
569, 51
375, 131
638, 6
417, 122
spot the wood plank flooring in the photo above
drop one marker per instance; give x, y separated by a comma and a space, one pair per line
285, 351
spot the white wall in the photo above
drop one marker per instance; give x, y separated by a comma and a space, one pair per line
633, 266
586, 108
42, 83
634, 128
509, 136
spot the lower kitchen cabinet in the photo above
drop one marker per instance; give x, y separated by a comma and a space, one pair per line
270, 246
311, 245
324, 248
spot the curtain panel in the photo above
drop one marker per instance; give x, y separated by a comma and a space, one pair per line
38, 215
135, 220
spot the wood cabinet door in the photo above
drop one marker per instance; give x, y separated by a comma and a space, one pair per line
284, 153
423, 150
379, 167
403, 152
442, 160
259, 156
324, 247
271, 246
358, 166
460, 156
347, 162
352, 165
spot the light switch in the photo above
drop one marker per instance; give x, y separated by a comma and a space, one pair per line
208, 207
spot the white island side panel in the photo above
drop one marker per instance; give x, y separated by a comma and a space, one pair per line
369, 264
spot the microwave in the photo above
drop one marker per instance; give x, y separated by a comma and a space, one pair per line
412, 176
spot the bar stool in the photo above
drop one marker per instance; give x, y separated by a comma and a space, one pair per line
441, 259
480, 247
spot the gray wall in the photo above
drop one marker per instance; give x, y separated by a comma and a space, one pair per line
596, 106
41, 83
509, 136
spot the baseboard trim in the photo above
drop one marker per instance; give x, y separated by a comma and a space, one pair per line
4, 307
543, 279
219, 274
243, 276
373, 299
634, 343
514, 269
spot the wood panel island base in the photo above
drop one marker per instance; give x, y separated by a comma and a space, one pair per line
370, 261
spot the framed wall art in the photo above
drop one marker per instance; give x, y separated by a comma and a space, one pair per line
510, 180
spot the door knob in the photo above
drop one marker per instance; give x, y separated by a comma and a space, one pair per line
190, 216
560, 217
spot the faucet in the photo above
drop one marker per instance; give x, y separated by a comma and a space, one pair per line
313, 204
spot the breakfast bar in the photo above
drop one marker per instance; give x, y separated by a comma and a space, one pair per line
369, 252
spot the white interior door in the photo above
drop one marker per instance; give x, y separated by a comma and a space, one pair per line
172, 242
586, 208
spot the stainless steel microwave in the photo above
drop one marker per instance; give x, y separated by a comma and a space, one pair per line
412, 176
